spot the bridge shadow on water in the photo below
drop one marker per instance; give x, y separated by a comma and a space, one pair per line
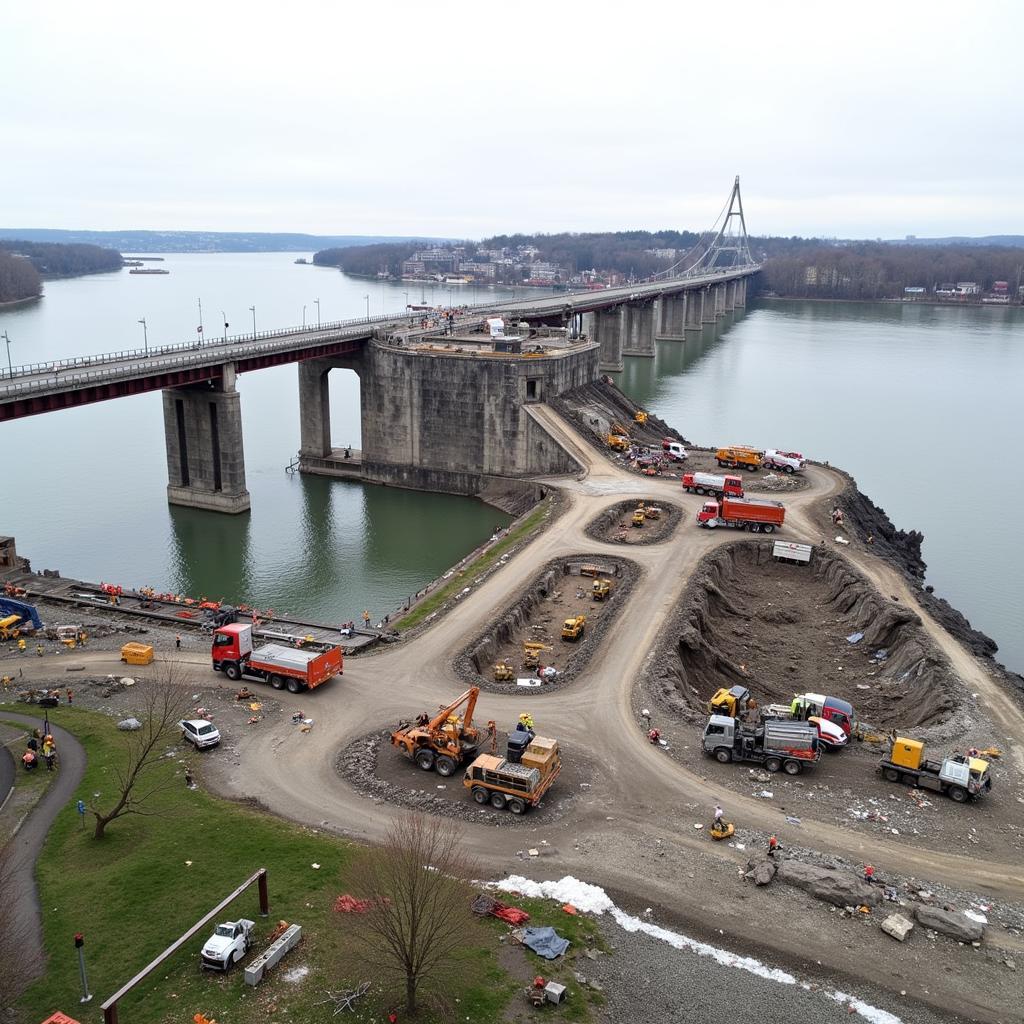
641, 377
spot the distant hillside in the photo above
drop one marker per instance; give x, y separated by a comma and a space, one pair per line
1012, 241
19, 280
201, 241
50, 259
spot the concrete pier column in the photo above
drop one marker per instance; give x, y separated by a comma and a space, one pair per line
719, 292
730, 296
694, 309
314, 408
608, 334
638, 329
708, 314
671, 318
741, 292
203, 436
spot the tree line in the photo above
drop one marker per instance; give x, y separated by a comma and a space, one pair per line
19, 279
55, 260
810, 268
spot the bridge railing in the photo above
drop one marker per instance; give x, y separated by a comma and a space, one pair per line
78, 370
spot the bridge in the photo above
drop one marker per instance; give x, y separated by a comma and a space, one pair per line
410, 404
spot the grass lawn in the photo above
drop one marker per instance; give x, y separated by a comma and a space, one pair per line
434, 601
136, 890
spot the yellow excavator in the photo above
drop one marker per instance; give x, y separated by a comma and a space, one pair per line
446, 740
572, 629
601, 589
532, 651
504, 672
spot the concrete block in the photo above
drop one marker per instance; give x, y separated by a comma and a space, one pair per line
272, 955
898, 926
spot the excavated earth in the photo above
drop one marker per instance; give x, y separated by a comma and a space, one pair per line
615, 524
556, 593
372, 766
781, 629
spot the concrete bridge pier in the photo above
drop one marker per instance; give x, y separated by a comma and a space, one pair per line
719, 293
314, 409
638, 329
694, 309
671, 318
730, 296
203, 436
607, 332
708, 314
741, 292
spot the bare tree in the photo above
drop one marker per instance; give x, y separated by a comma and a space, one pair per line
20, 961
136, 776
419, 894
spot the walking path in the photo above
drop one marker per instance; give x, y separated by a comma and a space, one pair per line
29, 839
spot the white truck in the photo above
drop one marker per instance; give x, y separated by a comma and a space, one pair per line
228, 944
788, 462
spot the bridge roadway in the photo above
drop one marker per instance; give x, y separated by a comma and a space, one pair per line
632, 829
45, 387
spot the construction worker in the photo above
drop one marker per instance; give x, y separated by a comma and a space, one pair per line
28, 760
177, 641
869, 873
21, 645
773, 846
526, 721
49, 752
718, 816
39, 650
71, 695
366, 619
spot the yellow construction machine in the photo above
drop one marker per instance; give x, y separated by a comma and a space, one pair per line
532, 650
617, 442
640, 416
503, 672
446, 740
639, 516
572, 629
601, 589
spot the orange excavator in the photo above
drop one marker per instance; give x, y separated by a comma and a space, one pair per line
446, 740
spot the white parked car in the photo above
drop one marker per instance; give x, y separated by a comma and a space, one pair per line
200, 733
788, 462
832, 737
228, 944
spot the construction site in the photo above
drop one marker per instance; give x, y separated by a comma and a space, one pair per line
790, 722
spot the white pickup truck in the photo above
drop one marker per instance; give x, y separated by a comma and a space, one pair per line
228, 944
788, 462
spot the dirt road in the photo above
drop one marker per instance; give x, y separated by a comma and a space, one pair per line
640, 800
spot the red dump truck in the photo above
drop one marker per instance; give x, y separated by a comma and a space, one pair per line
280, 665
743, 514
712, 483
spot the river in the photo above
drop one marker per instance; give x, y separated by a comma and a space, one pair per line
920, 403
84, 490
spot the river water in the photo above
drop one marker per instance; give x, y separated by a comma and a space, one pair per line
918, 402
84, 490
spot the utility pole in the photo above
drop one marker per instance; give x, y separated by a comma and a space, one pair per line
145, 335
10, 369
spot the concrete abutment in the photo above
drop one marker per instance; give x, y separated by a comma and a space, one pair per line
203, 438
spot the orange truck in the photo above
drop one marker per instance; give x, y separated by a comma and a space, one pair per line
739, 456
296, 668
742, 514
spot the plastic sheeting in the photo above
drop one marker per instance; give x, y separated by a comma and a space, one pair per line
545, 942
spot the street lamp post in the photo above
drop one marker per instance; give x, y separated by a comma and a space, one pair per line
367, 297
316, 302
145, 335
252, 309
406, 299
303, 317
224, 320
450, 298
10, 369
200, 331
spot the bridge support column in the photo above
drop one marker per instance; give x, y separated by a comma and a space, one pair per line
719, 293
203, 435
314, 409
694, 309
741, 292
608, 334
638, 330
730, 296
671, 318
708, 313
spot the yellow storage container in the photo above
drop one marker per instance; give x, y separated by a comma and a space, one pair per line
907, 753
137, 654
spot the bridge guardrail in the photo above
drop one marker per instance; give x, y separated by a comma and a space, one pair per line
142, 361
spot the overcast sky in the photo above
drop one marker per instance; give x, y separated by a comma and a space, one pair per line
465, 119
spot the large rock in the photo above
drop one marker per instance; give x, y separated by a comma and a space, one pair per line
898, 926
950, 922
840, 888
760, 872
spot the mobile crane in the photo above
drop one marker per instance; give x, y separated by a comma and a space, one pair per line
446, 740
